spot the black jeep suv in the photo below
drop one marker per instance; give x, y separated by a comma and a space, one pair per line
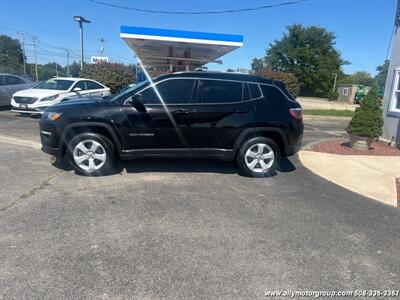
252, 120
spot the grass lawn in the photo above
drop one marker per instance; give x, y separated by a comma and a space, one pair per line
329, 112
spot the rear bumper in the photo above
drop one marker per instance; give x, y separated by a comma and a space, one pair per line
292, 149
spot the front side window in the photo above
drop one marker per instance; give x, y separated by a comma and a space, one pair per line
150, 96
220, 91
55, 84
173, 91
176, 91
12, 80
395, 100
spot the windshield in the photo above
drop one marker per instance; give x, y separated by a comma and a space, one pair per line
55, 84
128, 89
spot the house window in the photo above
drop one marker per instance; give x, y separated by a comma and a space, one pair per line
395, 100
345, 91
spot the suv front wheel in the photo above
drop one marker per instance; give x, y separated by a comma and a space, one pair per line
258, 157
90, 154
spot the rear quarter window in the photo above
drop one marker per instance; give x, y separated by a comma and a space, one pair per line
276, 100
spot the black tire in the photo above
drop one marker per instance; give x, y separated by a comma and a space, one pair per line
107, 147
241, 157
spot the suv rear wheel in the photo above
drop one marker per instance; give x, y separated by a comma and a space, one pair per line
91, 154
258, 157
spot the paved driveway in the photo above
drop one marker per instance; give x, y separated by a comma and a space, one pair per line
184, 229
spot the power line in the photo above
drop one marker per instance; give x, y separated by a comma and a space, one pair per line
198, 12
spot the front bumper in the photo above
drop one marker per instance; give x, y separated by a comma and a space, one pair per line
27, 111
51, 151
49, 138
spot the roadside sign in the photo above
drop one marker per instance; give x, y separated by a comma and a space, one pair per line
98, 59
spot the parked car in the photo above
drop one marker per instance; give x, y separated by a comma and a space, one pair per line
252, 120
9, 84
55, 90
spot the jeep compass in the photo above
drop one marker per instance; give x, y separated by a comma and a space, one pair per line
251, 120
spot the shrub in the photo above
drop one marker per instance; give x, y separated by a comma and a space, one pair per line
115, 76
333, 96
290, 80
367, 120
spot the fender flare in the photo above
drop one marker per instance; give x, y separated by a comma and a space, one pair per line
110, 130
248, 131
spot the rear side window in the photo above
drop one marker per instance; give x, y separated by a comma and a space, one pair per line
220, 91
91, 85
81, 85
254, 91
246, 92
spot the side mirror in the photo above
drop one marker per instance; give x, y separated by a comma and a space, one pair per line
137, 103
77, 89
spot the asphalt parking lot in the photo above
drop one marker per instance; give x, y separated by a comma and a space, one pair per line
177, 229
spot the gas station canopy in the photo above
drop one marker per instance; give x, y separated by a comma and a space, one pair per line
177, 49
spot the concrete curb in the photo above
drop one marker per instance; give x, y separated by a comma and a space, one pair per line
18, 141
383, 190
398, 190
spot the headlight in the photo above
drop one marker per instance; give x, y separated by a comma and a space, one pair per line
50, 98
51, 116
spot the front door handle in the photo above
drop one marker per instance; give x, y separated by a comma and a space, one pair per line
241, 111
180, 111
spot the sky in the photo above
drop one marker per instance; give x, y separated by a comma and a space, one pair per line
363, 27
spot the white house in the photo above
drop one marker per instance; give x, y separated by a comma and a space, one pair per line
391, 104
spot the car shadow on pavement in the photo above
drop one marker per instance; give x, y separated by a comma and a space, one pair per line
178, 165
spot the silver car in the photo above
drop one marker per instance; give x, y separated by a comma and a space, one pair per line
9, 84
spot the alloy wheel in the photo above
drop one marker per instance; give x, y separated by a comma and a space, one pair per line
89, 155
259, 158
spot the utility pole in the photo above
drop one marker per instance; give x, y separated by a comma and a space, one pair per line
56, 70
23, 35
334, 82
67, 61
34, 40
81, 20
101, 47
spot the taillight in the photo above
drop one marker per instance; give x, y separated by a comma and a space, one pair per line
296, 113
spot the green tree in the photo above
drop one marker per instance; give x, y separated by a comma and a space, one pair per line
11, 55
50, 70
113, 75
380, 78
290, 80
74, 69
257, 65
367, 120
309, 54
360, 77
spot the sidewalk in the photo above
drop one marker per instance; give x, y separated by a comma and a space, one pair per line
371, 176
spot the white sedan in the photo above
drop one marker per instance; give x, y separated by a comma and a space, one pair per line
55, 90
